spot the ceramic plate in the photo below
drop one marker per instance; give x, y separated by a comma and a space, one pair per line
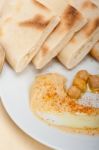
14, 91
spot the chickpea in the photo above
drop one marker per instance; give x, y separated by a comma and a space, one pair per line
93, 82
83, 74
81, 84
74, 92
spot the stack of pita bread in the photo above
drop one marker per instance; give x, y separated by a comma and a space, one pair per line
39, 30
24, 26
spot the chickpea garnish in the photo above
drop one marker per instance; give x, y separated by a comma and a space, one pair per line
93, 83
80, 83
83, 74
74, 92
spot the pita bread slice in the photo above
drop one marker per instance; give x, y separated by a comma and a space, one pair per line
71, 22
25, 24
95, 51
85, 39
2, 58
57, 6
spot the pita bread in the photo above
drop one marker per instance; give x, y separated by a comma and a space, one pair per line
24, 26
85, 39
2, 57
71, 22
95, 51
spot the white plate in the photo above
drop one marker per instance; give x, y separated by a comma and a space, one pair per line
14, 89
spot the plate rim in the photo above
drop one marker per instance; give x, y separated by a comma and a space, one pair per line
23, 130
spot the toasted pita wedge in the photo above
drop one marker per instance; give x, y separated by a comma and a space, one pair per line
24, 26
71, 22
95, 51
85, 39
2, 57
